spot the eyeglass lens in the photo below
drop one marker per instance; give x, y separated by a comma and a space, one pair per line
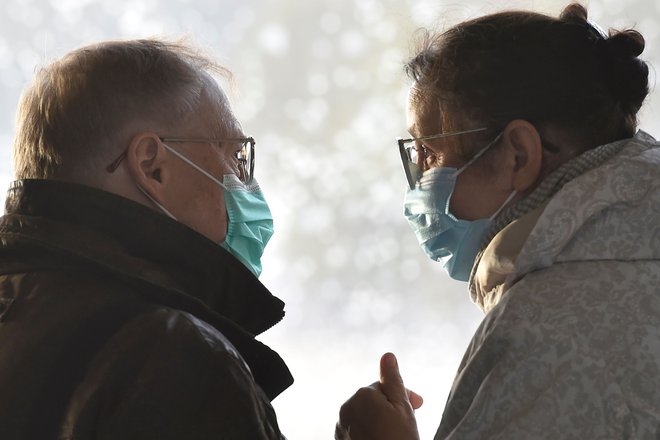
412, 170
246, 161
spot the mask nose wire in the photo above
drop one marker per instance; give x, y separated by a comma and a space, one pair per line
194, 165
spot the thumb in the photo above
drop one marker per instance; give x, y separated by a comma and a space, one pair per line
390, 380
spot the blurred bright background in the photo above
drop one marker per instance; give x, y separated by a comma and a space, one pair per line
319, 84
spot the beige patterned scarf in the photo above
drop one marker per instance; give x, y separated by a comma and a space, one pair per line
546, 190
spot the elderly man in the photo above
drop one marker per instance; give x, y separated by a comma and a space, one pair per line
129, 256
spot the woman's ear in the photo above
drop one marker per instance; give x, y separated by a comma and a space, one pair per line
146, 162
527, 149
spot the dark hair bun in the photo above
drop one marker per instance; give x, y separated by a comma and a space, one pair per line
574, 12
625, 44
627, 75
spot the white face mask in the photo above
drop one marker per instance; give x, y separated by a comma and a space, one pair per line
250, 220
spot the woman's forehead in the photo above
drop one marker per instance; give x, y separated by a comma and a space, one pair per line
423, 119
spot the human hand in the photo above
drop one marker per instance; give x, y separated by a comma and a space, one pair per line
382, 411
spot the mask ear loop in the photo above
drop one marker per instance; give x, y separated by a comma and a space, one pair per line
162, 208
506, 202
479, 154
194, 165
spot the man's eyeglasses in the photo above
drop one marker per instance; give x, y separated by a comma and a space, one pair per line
244, 156
410, 153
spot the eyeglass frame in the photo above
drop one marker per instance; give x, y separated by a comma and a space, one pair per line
412, 170
247, 169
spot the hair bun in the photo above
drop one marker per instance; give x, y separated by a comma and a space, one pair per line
574, 12
625, 44
628, 75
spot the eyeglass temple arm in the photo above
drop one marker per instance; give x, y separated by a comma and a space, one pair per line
442, 135
201, 140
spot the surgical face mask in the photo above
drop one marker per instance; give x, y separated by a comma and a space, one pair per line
250, 220
443, 237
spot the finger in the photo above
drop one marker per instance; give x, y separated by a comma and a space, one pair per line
389, 369
390, 379
415, 399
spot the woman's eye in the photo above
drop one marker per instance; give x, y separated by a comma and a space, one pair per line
428, 154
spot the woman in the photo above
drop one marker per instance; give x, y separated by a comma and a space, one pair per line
544, 196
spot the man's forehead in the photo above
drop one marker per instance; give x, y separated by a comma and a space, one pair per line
223, 124
217, 113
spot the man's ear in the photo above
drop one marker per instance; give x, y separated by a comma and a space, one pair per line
527, 148
146, 158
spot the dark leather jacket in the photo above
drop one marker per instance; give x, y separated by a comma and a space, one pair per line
117, 322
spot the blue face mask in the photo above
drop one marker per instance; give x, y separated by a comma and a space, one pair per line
443, 237
250, 221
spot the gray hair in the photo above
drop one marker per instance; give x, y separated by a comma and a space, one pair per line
83, 109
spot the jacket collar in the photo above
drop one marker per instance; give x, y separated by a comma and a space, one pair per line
137, 242
492, 274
